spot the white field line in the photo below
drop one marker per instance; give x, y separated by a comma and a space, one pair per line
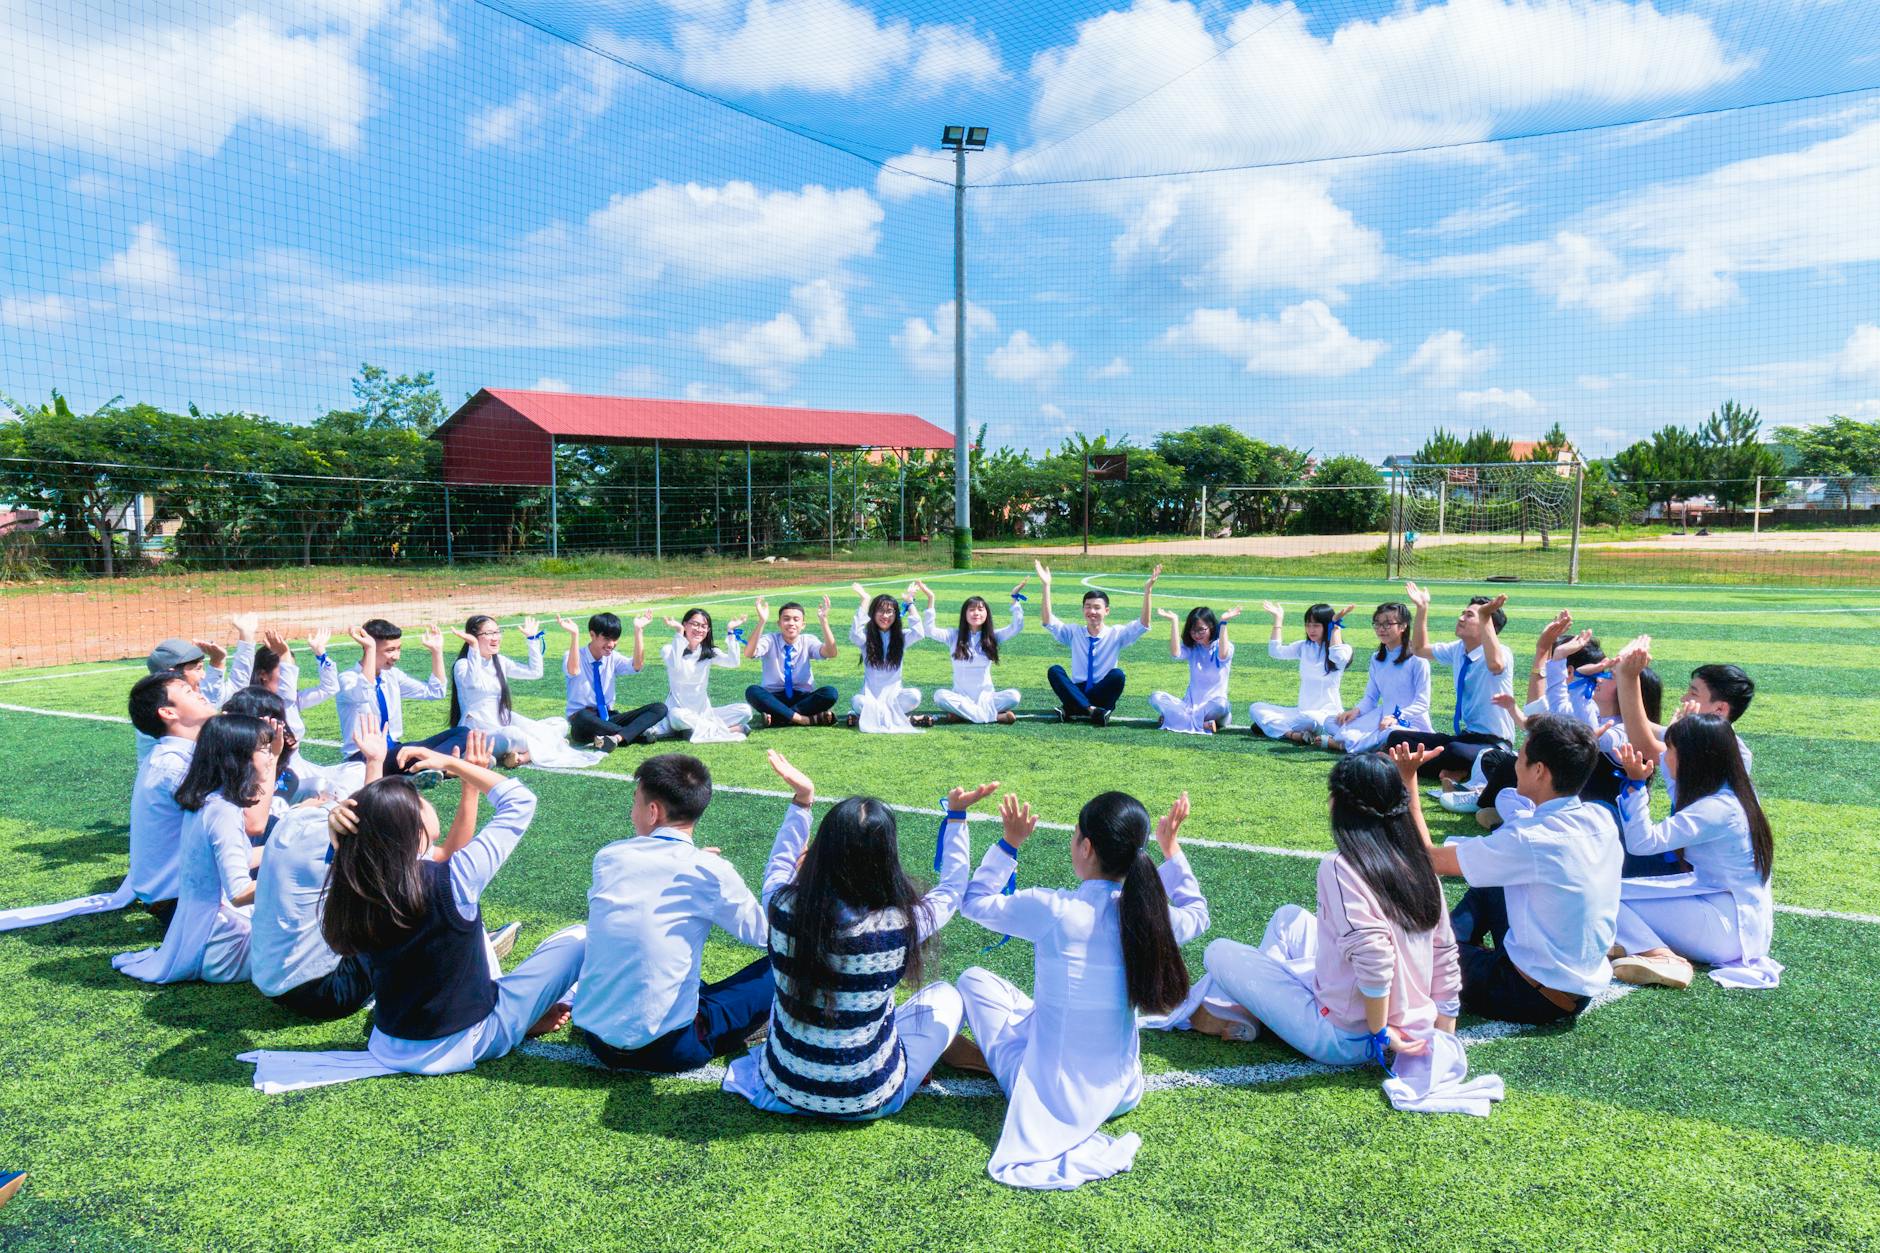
1213, 1077
69, 674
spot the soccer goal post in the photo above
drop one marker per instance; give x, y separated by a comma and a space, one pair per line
1494, 521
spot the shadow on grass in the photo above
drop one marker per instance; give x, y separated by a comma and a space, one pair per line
102, 841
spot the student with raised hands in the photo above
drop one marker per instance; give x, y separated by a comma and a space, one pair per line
974, 647
1070, 1060
847, 926
1544, 884
881, 632
289, 959
480, 698
1374, 970
690, 658
377, 683
1202, 642
1396, 689
200, 664
1722, 912
226, 799
1721, 690
295, 778
1094, 683
1484, 669
655, 898
786, 694
1322, 656
272, 666
593, 671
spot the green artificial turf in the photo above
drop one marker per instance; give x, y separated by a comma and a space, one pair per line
1697, 1120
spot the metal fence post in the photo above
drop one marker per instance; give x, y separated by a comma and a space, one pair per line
450, 550
658, 539
1579, 496
750, 514
1755, 513
554, 503
832, 501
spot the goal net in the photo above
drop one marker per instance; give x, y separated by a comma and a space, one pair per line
1494, 521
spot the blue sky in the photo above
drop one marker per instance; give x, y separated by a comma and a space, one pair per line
234, 204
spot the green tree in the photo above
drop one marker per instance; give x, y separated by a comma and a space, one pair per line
407, 401
1732, 438
1673, 462
1840, 450
1347, 498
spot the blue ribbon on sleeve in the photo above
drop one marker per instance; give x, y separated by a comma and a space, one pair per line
1583, 686
1627, 784
1020, 596
1377, 1046
735, 634
907, 607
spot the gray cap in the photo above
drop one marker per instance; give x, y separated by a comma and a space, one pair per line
173, 654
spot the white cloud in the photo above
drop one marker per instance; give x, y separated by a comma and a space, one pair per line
816, 321
148, 265
1051, 412
163, 92
828, 46
37, 313
1595, 382
927, 172
1445, 359
737, 231
1116, 369
719, 394
1516, 401
1306, 339
639, 378
1021, 359
1497, 210
547, 384
1860, 356
928, 346
1578, 271
586, 88
1253, 230
1264, 86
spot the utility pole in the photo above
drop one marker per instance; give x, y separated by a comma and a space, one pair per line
961, 139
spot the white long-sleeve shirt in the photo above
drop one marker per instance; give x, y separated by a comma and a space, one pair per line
1402, 691
688, 676
1082, 1059
157, 820
1093, 656
879, 679
480, 687
1319, 690
241, 672
653, 901
972, 675
357, 693
581, 693
207, 938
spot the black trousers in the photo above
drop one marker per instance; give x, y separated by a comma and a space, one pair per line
339, 993
1459, 751
1492, 986
585, 724
1103, 694
807, 701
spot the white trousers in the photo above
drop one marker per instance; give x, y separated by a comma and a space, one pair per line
1701, 928
1179, 715
1274, 982
1360, 735
715, 724
887, 713
522, 996
1000, 1016
1279, 720
984, 708
926, 1023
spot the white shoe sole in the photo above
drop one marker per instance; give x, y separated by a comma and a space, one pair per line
1645, 974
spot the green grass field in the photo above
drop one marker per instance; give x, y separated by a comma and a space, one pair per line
1696, 1120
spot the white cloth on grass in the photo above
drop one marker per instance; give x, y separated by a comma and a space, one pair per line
1438, 1082
479, 701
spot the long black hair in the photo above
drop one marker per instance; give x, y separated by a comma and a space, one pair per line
1651, 688
375, 891
224, 762
1373, 830
476, 623
1710, 759
852, 866
1117, 827
1322, 614
259, 702
882, 649
707, 647
1201, 615
266, 669
1400, 611
988, 638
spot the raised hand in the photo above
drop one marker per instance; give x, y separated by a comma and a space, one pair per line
642, 621
1506, 703
1230, 615
1347, 609
1551, 633
763, 610
433, 637
530, 626
967, 797
212, 650
1021, 585
1567, 647
1417, 596
567, 624
277, 643
1636, 765
1168, 827
1155, 574
478, 751
1688, 708
802, 791
859, 590
1042, 571
316, 640
463, 635
369, 735
1278, 612
1017, 819
822, 611
675, 624
245, 624
1410, 759
1170, 614
734, 624
359, 636
277, 736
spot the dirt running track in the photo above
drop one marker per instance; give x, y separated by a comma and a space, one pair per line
111, 619
1316, 545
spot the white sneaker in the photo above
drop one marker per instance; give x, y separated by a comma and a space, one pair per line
1459, 802
1666, 971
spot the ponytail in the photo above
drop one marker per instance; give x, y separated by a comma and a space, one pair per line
1117, 827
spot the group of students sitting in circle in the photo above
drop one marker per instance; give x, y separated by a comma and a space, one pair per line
331, 887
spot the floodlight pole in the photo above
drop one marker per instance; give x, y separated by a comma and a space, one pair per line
962, 482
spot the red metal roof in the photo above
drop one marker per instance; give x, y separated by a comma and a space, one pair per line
632, 420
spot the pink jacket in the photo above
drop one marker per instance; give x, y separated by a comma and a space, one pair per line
1360, 948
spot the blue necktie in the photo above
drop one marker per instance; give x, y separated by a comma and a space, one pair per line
385, 712
789, 673
1090, 668
1462, 677
600, 693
